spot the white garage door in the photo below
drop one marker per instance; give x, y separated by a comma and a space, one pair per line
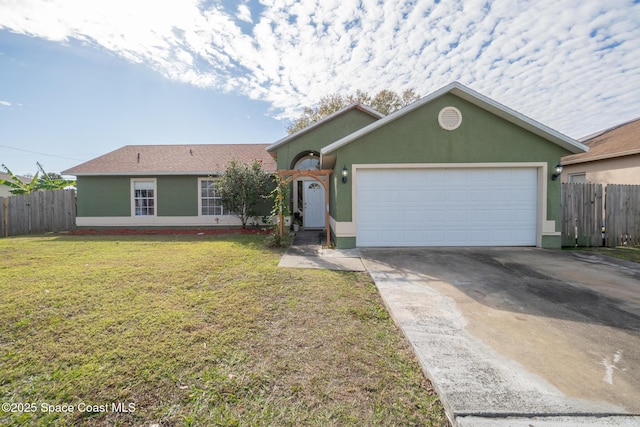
446, 207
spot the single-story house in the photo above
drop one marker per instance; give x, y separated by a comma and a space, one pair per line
613, 157
159, 185
452, 169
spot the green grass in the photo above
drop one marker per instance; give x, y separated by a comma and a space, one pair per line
197, 330
629, 253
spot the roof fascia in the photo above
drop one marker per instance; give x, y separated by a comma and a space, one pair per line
600, 157
594, 135
324, 120
207, 173
203, 173
481, 101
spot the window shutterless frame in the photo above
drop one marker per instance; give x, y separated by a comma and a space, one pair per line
144, 197
209, 203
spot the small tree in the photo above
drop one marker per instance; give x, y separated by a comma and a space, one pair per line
242, 187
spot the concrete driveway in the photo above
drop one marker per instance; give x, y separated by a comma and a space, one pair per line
519, 336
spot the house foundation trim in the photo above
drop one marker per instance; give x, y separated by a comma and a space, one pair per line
163, 221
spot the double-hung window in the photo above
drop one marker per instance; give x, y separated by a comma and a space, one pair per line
144, 197
209, 201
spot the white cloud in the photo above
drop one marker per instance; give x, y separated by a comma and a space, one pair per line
5, 103
244, 13
573, 65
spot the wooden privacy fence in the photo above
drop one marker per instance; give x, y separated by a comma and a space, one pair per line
38, 212
622, 215
582, 210
593, 215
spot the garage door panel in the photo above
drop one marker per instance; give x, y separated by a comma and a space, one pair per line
455, 217
369, 196
410, 196
479, 236
457, 237
412, 216
433, 195
480, 216
458, 195
479, 195
446, 207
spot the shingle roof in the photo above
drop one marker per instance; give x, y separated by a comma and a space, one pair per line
7, 177
621, 140
197, 159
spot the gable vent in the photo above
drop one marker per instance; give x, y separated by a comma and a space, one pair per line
450, 118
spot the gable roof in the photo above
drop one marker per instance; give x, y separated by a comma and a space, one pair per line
481, 101
196, 159
618, 141
354, 106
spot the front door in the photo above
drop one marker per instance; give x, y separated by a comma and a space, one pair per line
314, 205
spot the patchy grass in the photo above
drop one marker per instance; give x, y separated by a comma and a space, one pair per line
629, 253
196, 330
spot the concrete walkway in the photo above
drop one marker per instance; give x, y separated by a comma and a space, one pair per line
308, 251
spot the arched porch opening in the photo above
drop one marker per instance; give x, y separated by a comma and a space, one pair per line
288, 176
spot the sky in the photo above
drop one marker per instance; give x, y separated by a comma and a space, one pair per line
81, 78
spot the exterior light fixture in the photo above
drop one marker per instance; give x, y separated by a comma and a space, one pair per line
557, 172
345, 174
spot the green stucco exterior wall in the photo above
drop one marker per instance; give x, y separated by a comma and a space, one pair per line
320, 137
417, 138
110, 196
177, 196
103, 196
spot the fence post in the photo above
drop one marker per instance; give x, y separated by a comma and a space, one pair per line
5, 215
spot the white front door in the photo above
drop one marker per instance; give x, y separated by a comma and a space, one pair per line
314, 205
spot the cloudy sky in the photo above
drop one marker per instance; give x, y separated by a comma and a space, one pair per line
80, 78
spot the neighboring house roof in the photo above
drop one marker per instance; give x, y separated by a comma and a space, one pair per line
196, 159
7, 177
479, 100
618, 141
354, 106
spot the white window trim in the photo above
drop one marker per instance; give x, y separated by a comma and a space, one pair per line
224, 211
155, 197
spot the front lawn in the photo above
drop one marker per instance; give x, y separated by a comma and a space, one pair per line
196, 330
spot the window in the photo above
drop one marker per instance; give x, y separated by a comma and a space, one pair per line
308, 163
144, 197
209, 201
577, 178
